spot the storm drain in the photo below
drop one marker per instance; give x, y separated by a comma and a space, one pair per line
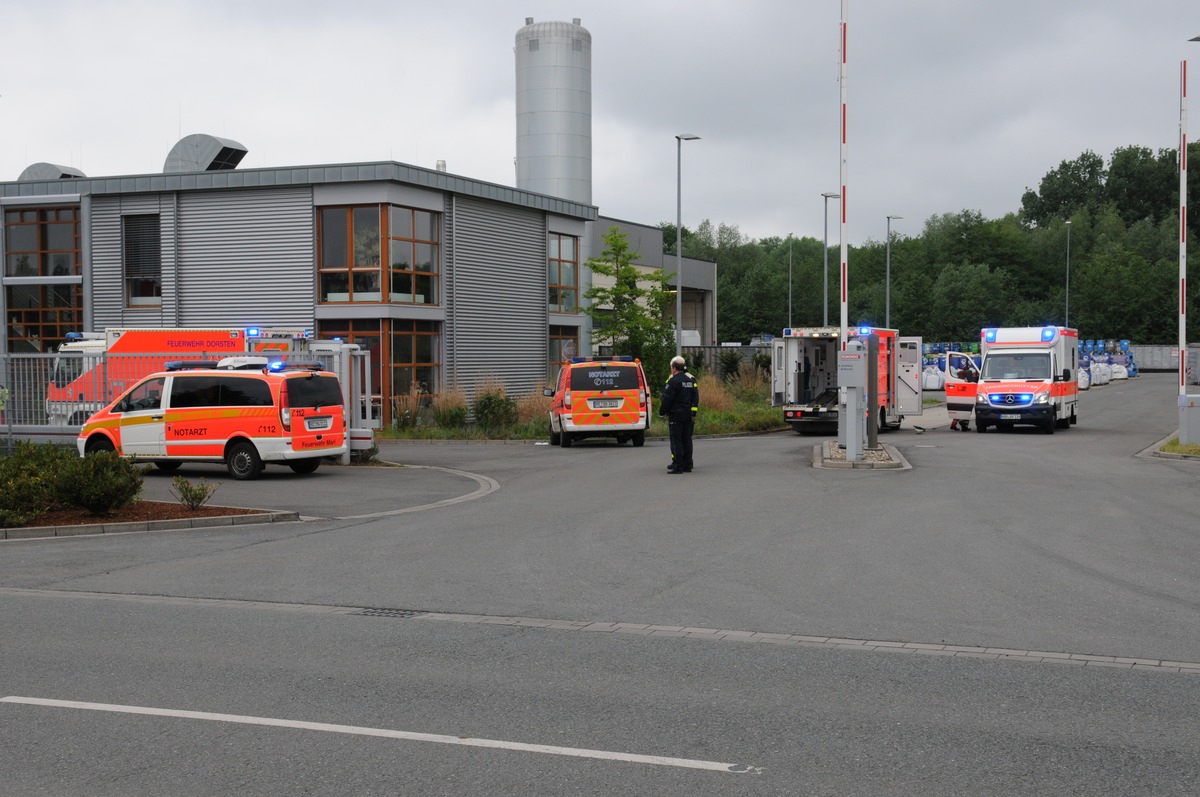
399, 614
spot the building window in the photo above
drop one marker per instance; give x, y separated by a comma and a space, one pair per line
562, 273
349, 254
564, 344
42, 242
415, 360
142, 257
366, 333
414, 238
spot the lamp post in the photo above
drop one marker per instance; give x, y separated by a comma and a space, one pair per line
789, 279
1067, 303
887, 286
679, 139
828, 196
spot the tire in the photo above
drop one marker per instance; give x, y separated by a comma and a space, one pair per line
243, 462
167, 465
639, 438
964, 425
305, 465
1049, 426
78, 418
98, 443
555, 437
980, 427
566, 440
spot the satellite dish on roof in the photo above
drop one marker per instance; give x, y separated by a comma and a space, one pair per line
201, 152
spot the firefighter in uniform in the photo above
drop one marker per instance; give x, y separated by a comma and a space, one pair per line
680, 400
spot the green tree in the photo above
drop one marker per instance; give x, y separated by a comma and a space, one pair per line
631, 313
1074, 185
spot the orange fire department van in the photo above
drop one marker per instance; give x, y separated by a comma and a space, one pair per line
1030, 375
284, 413
599, 397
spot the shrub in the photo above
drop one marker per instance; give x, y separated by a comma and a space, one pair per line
450, 409
728, 362
100, 482
28, 481
534, 408
494, 410
762, 361
714, 396
406, 407
193, 496
749, 383
696, 363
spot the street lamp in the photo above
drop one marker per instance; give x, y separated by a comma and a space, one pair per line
887, 287
679, 139
828, 196
789, 279
1067, 303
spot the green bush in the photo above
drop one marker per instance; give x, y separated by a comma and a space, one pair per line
100, 482
193, 496
28, 481
494, 410
450, 409
728, 362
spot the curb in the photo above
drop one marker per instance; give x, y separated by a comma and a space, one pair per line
896, 461
42, 532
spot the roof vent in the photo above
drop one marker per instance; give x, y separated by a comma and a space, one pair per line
201, 152
49, 171
441, 166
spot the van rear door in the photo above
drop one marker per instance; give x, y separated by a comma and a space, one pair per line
314, 403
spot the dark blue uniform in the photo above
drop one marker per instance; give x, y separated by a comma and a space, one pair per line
680, 400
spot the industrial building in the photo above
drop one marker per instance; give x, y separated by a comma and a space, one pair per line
448, 281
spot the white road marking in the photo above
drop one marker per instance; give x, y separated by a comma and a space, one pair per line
487, 486
602, 755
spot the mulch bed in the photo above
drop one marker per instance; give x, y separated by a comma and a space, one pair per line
139, 511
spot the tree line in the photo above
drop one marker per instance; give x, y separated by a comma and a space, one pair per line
964, 271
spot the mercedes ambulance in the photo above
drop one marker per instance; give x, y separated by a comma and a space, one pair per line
599, 397
283, 413
1029, 375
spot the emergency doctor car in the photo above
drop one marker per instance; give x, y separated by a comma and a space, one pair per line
290, 414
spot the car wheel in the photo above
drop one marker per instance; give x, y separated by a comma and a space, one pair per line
167, 465
639, 438
243, 462
305, 465
980, 427
555, 437
1049, 426
566, 440
98, 443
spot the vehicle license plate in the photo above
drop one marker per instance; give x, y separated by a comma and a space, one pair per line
1010, 417
318, 423
605, 404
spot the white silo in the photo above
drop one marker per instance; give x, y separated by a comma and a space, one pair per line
554, 109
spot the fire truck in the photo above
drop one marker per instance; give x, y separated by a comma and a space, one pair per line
1029, 375
93, 368
804, 376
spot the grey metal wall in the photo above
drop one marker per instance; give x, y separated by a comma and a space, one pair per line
247, 257
235, 258
496, 272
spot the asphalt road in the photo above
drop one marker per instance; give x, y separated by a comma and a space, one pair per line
1015, 614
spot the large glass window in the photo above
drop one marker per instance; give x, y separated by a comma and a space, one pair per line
366, 333
564, 344
42, 242
415, 361
349, 254
142, 256
355, 242
413, 246
562, 273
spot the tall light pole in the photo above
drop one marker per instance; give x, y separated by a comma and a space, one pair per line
887, 286
828, 196
679, 139
789, 279
1067, 303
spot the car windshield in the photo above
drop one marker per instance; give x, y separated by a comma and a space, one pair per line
1021, 365
605, 376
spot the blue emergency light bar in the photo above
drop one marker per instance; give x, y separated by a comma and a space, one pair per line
1048, 334
621, 358
864, 331
188, 365
989, 335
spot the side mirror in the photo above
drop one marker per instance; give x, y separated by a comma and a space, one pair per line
548, 393
1066, 375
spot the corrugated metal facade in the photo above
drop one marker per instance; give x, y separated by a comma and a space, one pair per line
496, 266
235, 258
246, 258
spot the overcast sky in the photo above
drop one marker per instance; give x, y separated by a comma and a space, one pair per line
953, 104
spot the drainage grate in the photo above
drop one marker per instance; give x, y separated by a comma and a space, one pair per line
400, 614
